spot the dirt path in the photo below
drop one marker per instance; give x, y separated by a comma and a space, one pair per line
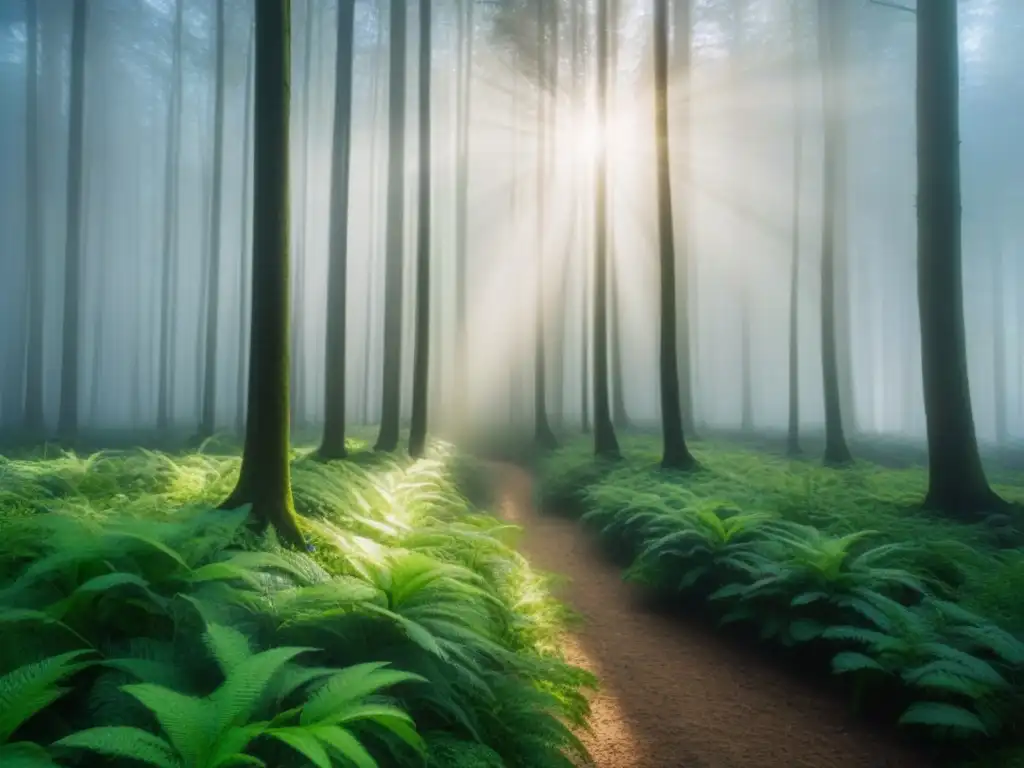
676, 698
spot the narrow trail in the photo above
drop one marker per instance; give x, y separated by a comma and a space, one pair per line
675, 697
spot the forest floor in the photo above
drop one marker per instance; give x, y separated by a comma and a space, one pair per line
675, 695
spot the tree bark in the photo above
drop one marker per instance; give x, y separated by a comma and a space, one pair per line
605, 443
793, 436
333, 444
243, 272
421, 353
391, 392
830, 31
208, 421
543, 433
34, 415
69, 379
264, 481
675, 453
957, 484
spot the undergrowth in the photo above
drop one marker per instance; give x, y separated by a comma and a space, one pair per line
919, 616
138, 625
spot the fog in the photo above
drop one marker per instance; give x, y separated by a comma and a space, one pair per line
147, 185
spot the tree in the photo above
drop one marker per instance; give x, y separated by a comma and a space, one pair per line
543, 433
464, 104
605, 443
675, 455
793, 436
34, 416
391, 398
170, 225
957, 484
333, 444
264, 480
830, 37
69, 379
682, 58
243, 271
421, 359
207, 423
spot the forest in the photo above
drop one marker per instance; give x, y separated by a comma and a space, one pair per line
511, 383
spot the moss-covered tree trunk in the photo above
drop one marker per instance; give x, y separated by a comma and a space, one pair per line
333, 444
605, 443
675, 454
264, 481
957, 484
421, 351
207, 423
391, 387
830, 33
67, 425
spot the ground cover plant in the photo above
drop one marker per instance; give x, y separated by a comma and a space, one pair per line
917, 612
140, 626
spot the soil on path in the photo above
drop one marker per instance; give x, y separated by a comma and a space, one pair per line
676, 697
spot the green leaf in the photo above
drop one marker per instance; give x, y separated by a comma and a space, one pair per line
32, 687
346, 689
935, 714
303, 741
343, 742
188, 721
850, 661
25, 754
805, 630
239, 695
122, 741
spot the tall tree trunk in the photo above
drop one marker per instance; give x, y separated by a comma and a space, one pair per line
391, 392
793, 437
830, 33
579, 98
208, 421
464, 101
620, 416
244, 279
69, 378
372, 278
264, 481
543, 434
34, 415
999, 345
956, 478
605, 443
675, 453
298, 388
421, 353
170, 225
333, 444
685, 279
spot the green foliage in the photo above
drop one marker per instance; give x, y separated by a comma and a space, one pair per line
835, 559
155, 629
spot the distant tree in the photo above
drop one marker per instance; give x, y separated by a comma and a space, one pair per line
675, 455
391, 398
464, 106
264, 480
543, 433
793, 437
421, 361
605, 443
957, 484
172, 151
246, 220
70, 365
333, 443
34, 416
831, 34
207, 423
